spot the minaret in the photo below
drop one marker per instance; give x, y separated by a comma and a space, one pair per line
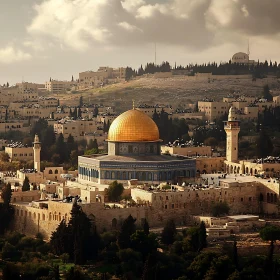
232, 128
37, 150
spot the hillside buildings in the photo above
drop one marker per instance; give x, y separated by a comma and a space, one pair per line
104, 75
134, 157
18, 151
56, 87
247, 107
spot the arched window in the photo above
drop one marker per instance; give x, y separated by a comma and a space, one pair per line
50, 171
56, 171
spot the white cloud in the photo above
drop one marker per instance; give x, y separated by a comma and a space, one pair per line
132, 5
195, 24
10, 55
245, 11
129, 27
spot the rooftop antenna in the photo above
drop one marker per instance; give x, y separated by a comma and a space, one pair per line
155, 53
248, 52
133, 104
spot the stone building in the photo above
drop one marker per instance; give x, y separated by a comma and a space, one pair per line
18, 151
133, 153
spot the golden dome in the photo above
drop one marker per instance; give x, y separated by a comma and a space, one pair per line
133, 126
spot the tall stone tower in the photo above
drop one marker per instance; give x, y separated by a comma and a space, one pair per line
232, 128
37, 151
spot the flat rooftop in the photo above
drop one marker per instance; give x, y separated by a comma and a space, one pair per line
239, 178
243, 217
155, 158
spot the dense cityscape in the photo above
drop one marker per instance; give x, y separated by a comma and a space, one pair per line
164, 170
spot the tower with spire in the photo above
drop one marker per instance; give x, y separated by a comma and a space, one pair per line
232, 128
37, 151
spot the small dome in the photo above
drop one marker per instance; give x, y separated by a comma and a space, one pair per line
240, 57
133, 126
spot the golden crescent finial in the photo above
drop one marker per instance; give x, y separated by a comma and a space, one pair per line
133, 104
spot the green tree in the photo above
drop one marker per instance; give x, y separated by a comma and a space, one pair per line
270, 233
4, 157
266, 93
211, 141
235, 255
95, 112
146, 227
145, 244
129, 73
80, 231
127, 229
7, 195
71, 145
220, 268
148, 272
81, 101
264, 145
219, 209
169, 232
26, 185
61, 148
60, 239
202, 236
6, 211
115, 191
75, 274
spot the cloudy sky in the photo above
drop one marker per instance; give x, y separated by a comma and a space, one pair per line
57, 38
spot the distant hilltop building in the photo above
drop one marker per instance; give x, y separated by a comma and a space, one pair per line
104, 75
242, 58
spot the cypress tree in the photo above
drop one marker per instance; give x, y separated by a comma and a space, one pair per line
79, 112
127, 229
59, 241
202, 236
146, 227
168, 233
235, 255
26, 185
7, 195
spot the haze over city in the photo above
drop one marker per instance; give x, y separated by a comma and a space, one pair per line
55, 38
